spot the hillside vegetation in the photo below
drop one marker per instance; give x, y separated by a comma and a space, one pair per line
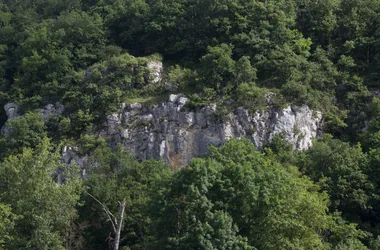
92, 55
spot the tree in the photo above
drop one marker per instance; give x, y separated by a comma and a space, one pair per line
341, 170
270, 207
217, 65
7, 220
44, 210
318, 21
119, 182
117, 222
83, 34
27, 130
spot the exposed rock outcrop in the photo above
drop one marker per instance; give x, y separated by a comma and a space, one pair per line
157, 69
48, 112
11, 110
170, 131
70, 155
52, 110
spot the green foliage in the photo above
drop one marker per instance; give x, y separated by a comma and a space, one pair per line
179, 78
217, 65
44, 209
88, 143
229, 52
295, 91
23, 131
301, 48
318, 21
281, 149
375, 244
101, 89
207, 97
114, 176
7, 221
252, 96
371, 137
346, 236
220, 71
272, 208
341, 171
334, 120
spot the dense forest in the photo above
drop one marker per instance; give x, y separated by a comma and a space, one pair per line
92, 55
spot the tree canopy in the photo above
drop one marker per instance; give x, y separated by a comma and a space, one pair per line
92, 56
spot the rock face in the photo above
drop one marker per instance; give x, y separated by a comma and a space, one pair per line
157, 69
52, 110
70, 155
12, 111
170, 131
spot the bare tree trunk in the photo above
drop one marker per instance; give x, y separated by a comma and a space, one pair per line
119, 226
116, 224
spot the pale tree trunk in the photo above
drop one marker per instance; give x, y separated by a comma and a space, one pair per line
119, 225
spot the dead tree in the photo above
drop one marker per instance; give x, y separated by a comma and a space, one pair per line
117, 222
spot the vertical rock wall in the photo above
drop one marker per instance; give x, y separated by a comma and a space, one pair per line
169, 131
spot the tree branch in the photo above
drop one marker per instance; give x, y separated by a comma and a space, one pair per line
106, 210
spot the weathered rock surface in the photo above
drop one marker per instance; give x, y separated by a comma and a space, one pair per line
157, 69
52, 110
171, 131
11, 110
177, 135
70, 157
48, 112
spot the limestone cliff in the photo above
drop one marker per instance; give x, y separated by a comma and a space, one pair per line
177, 134
170, 131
